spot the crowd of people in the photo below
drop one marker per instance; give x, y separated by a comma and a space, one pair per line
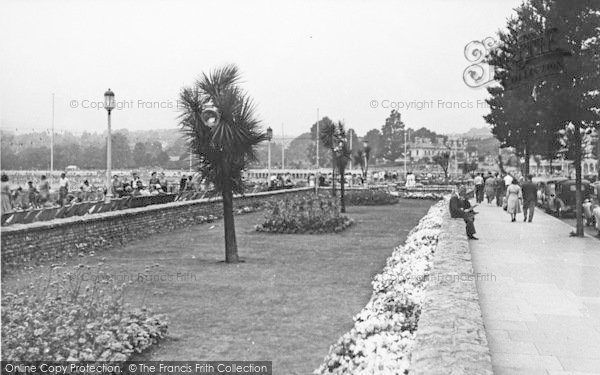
40, 193
515, 194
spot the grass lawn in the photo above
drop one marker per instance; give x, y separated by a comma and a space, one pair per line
293, 297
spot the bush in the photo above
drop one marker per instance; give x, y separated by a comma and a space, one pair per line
75, 315
314, 215
370, 197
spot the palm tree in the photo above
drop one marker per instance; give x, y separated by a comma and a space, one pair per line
334, 138
219, 120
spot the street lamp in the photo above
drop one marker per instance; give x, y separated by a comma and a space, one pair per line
109, 105
269, 137
406, 136
210, 115
366, 156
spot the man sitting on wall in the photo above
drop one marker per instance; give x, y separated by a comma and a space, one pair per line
460, 208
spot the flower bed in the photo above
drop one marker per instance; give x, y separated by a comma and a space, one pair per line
369, 197
383, 334
75, 315
423, 195
313, 215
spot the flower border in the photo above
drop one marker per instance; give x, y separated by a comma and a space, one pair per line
384, 331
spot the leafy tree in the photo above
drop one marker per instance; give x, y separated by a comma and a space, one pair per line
443, 160
311, 151
121, 153
423, 132
375, 141
362, 157
140, 154
296, 151
393, 136
224, 146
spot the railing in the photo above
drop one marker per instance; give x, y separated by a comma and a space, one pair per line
83, 208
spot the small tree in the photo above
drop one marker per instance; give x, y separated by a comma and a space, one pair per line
362, 157
443, 160
218, 118
334, 138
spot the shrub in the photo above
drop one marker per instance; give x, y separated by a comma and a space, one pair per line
370, 197
313, 215
75, 315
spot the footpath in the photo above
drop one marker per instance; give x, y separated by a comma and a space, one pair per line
539, 294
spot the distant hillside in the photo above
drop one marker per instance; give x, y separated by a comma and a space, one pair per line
478, 133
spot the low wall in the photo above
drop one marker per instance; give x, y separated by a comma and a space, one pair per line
24, 244
450, 338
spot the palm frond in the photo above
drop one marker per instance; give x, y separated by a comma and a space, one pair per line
229, 146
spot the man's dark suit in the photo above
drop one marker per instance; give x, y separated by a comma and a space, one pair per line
529, 199
457, 211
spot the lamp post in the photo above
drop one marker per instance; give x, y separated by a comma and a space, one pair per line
109, 105
339, 154
269, 138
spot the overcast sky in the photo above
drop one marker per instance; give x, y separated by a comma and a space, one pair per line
343, 57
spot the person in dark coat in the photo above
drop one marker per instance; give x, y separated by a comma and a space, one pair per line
460, 208
529, 191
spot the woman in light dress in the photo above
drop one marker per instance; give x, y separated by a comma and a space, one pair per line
514, 196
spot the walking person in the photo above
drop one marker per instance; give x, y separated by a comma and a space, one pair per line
529, 198
499, 189
478, 181
514, 196
490, 188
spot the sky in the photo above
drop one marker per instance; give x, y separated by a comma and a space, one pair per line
351, 60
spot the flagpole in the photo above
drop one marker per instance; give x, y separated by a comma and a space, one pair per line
318, 140
52, 144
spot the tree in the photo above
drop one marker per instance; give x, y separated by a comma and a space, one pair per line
576, 94
121, 153
353, 141
296, 151
219, 120
140, 154
514, 117
393, 136
334, 138
375, 141
361, 157
443, 160
311, 152
568, 98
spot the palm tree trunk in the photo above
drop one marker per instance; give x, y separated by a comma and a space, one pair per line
333, 179
231, 251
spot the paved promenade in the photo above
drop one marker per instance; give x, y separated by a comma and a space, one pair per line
541, 304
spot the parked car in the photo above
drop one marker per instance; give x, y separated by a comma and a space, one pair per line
547, 189
559, 196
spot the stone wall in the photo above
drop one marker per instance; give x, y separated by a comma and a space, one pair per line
450, 338
25, 244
